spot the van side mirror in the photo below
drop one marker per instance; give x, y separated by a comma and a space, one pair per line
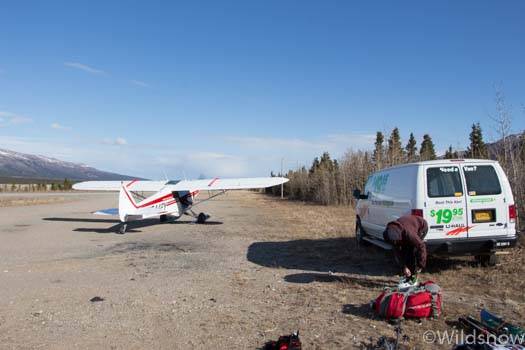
357, 194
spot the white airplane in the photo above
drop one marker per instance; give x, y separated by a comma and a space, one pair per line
171, 199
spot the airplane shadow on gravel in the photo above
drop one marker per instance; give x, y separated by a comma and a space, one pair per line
133, 226
81, 220
320, 257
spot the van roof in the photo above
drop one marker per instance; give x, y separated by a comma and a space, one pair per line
443, 162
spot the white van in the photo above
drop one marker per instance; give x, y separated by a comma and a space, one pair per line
467, 203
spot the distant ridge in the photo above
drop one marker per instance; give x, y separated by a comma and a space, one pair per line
22, 166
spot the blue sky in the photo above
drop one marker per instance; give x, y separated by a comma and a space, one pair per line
229, 88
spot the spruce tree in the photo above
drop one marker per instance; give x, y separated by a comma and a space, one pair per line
427, 151
395, 149
522, 147
411, 149
315, 165
379, 151
449, 154
477, 148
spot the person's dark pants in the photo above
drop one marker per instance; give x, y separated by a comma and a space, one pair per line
410, 260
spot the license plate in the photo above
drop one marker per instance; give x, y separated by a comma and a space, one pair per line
483, 216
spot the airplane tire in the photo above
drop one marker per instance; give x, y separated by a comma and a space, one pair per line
163, 218
201, 218
122, 229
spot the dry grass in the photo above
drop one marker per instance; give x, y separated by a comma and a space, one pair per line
308, 220
320, 239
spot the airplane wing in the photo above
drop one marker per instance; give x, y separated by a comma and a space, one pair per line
107, 212
218, 184
135, 185
215, 184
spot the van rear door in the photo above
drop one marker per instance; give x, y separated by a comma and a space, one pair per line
486, 208
445, 203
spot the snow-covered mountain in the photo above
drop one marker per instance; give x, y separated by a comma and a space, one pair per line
21, 165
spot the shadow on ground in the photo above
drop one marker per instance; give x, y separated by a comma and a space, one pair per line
81, 220
361, 310
332, 255
133, 226
309, 277
321, 255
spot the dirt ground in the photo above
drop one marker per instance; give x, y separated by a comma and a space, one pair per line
261, 267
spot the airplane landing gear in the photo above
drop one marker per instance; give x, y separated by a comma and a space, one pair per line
163, 218
201, 218
122, 228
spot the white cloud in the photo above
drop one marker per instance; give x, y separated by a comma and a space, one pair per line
84, 67
43, 146
6, 114
269, 142
140, 83
58, 126
193, 164
333, 142
353, 140
223, 157
119, 141
10, 118
265, 153
19, 119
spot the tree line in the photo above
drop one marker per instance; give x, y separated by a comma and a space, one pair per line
44, 185
332, 181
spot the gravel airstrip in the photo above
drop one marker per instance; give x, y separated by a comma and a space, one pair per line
260, 268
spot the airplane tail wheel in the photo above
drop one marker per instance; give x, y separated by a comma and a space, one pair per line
122, 229
201, 218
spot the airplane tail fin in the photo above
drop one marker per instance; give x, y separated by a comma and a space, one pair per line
126, 204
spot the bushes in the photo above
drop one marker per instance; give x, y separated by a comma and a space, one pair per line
328, 181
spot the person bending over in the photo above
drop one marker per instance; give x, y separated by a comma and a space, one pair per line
406, 236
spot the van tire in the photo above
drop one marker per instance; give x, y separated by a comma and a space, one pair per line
487, 260
359, 234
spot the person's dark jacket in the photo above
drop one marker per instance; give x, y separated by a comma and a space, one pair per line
411, 230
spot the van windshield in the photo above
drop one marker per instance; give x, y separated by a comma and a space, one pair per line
481, 180
444, 181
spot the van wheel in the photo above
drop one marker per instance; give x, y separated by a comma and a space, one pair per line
487, 260
359, 234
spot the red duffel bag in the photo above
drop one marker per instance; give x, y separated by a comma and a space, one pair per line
423, 301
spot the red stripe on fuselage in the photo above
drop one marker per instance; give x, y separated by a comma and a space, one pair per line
130, 199
131, 183
167, 197
155, 201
